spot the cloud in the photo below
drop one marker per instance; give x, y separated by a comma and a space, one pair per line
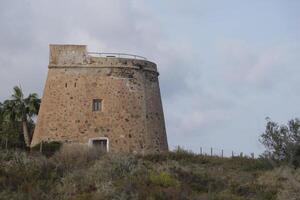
219, 79
118, 26
245, 65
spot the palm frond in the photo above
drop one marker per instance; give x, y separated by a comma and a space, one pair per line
32, 103
9, 110
19, 108
17, 93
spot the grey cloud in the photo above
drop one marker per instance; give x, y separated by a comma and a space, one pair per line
213, 93
29, 26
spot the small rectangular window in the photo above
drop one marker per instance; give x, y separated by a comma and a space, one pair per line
97, 105
100, 145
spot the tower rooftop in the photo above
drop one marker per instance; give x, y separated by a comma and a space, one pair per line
78, 56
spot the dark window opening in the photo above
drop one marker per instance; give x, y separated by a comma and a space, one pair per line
100, 144
66, 85
97, 105
74, 84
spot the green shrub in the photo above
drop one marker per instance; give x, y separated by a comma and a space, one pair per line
254, 190
179, 154
29, 176
296, 157
196, 182
72, 157
48, 148
163, 179
228, 196
249, 164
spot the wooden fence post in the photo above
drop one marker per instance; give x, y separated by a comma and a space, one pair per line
232, 154
6, 143
210, 191
41, 147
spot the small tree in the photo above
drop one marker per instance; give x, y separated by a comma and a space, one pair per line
1, 118
22, 109
1, 114
283, 141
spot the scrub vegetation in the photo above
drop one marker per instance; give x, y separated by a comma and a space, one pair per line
77, 172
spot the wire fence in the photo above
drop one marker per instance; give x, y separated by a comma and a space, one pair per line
223, 153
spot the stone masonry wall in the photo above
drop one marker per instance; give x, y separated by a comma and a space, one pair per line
132, 116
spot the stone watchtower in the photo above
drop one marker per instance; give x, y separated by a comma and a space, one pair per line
107, 100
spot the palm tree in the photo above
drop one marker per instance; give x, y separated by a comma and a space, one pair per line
22, 110
1, 112
1, 116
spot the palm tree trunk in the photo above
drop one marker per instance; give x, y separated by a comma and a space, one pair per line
26, 133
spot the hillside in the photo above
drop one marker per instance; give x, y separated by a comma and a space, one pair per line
77, 173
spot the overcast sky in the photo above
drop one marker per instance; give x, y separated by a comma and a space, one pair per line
224, 65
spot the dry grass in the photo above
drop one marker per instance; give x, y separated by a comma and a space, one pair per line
77, 172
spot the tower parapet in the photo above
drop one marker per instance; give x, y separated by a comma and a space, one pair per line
78, 56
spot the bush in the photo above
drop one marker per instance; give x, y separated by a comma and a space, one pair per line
29, 177
283, 142
179, 154
248, 164
48, 148
75, 156
198, 183
296, 157
163, 179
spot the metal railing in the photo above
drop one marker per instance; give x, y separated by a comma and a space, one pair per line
117, 55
